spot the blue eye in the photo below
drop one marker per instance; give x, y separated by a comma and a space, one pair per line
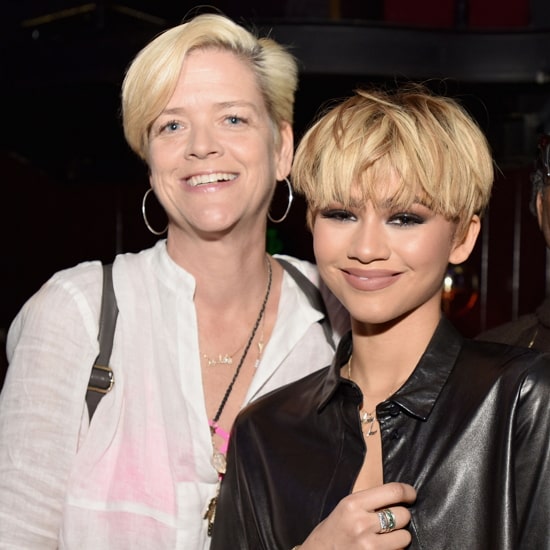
171, 126
235, 120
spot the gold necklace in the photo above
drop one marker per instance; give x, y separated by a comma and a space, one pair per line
225, 359
368, 418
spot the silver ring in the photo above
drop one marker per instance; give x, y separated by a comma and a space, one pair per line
387, 521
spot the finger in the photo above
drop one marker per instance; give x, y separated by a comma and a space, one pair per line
389, 494
390, 519
397, 492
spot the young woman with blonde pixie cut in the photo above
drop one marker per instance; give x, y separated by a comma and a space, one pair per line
208, 321
455, 431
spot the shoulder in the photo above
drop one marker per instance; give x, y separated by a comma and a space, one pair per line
67, 302
142, 258
513, 365
513, 332
503, 354
78, 282
306, 268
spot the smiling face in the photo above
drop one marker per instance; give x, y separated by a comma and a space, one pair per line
212, 154
385, 263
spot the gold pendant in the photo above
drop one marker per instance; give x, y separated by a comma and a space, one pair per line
368, 418
219, 463
210, 514
371, 431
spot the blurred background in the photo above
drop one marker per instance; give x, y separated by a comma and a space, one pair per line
72, 190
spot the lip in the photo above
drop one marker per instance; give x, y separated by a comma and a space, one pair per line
370, 279
210, 179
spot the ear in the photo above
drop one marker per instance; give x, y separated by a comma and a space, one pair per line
286, 151
463, 248
538, 205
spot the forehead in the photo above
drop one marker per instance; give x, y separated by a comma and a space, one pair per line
216, 75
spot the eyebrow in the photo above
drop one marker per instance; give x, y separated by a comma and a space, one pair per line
219, 106
230, 104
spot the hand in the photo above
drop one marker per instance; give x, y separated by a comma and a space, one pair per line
354, 523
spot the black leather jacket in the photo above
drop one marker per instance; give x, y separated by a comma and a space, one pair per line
470, 430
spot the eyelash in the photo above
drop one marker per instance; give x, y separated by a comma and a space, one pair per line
338, 214
166, 127
402, 219
405, 219
236, 118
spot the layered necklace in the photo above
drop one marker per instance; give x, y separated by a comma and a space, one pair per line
218, 456
368, 418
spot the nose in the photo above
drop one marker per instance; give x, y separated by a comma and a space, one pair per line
202, 143
369, 241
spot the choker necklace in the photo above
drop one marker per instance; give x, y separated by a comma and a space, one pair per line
367, 418
218, 456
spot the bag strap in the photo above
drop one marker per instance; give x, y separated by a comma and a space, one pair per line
101, 377
313, 295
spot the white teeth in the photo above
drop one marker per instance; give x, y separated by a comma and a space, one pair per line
210, 178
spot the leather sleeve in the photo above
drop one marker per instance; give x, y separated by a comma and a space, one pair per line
532, 457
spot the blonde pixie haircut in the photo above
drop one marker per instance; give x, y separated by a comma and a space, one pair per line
152, 76
434, 148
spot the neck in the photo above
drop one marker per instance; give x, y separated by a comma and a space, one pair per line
383, 359
224, 270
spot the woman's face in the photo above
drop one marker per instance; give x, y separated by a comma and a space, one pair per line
385, 264
212, 155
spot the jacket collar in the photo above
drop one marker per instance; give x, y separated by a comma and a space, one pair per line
420, 392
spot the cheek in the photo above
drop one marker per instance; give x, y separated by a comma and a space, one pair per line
322, 243
162, 151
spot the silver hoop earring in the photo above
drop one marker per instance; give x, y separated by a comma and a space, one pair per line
290, 199
153, 231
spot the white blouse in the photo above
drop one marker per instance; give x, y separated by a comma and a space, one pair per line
140, 476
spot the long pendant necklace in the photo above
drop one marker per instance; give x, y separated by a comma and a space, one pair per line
368, 418
218, 456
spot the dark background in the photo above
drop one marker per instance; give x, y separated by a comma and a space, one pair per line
72, 189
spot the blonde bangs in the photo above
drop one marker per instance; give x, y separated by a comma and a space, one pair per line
374, 140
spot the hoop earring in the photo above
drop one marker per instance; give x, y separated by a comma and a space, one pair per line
153, 231
290, 199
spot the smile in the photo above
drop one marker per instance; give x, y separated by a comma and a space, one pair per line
370, 281
208, 179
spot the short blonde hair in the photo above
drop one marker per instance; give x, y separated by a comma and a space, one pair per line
430, 143
152, 76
